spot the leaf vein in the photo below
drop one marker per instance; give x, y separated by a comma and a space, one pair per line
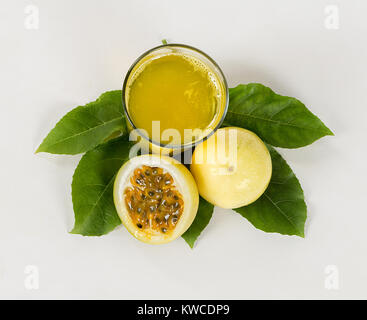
96, 204
282, 212
85, 131
270, 120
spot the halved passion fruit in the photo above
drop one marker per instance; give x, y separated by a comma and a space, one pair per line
156, 198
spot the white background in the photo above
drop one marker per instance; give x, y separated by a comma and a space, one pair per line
83, 48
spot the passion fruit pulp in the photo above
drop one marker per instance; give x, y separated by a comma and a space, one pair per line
152, 200
156, 198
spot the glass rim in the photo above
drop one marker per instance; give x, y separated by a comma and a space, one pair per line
177, 146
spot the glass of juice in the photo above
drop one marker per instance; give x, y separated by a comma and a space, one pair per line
174, 96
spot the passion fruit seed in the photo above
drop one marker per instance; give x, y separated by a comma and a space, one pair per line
152, 190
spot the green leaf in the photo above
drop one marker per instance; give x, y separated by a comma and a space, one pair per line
87, 126
92, 188
281, 208
202, 219
278, 120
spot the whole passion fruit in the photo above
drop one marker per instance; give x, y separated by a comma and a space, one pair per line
156, 198
232, 168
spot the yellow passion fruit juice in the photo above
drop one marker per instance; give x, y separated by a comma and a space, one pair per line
178, 90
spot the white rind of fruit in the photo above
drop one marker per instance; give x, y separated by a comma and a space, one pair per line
229, 181
184, 183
